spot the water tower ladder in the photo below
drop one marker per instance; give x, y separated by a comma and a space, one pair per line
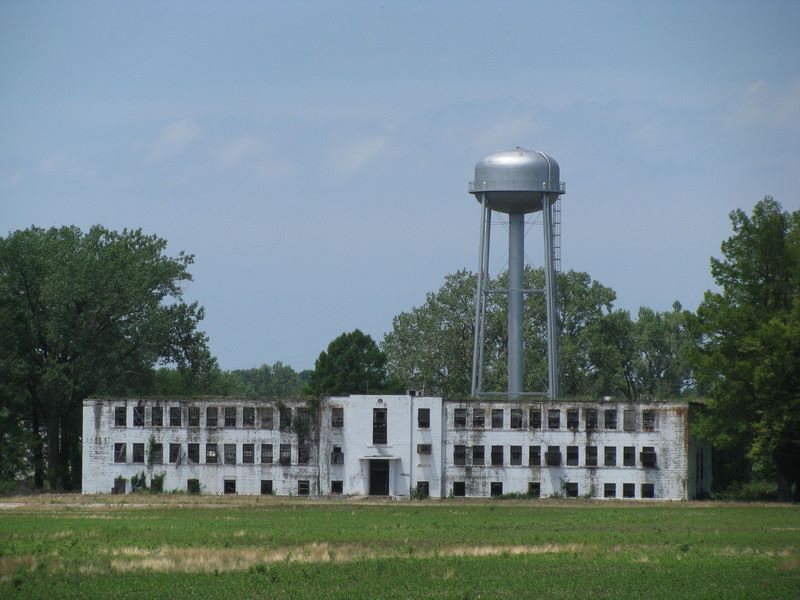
557, 235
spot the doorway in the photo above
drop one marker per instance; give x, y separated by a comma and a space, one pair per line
379, 478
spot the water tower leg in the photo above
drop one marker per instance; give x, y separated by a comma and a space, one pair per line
516, 263
550, 299
480, 297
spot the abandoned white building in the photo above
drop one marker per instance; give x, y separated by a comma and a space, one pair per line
395, 446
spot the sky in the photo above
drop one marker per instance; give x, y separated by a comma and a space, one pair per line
315, 156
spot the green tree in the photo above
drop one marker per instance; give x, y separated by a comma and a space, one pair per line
276, 381
748, 355
352, 364
87, 313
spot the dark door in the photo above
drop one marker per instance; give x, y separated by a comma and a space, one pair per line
379, 478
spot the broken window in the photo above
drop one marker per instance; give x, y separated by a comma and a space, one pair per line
193, 486
648, 456
478, 418
248, 454
591, 456
120, 453
265, 417
120, 416
459, 455
459, 488
629, 456
516, 418
535, 418
629, 420
194, 416
497, 418
138, 416
175, 419
611, 418
572, 456
572, 418
516, 456
229, 486
157, 454
193, 454
379, 425
628, 490
266, 487
138, 453
610, 456
211, 454
337, 417
609, 490
337, 456
553, 456
266, 454
424, 448
460, 418
303, 419
120, 484
303, 487
248, 416
157, 484
571, 489
285, 457
534, 489
337, 486
649, 420
423, 489
534, 456
590, 414
211, 416
648, 490
157, 416
285, 417
230, 416
230, 454
553, 418
478, 458
303, 454
496, 488
174, 453
497, 456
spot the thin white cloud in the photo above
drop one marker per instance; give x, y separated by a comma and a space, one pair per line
174, 138
763, 104
239, 149
353, 158
58, 164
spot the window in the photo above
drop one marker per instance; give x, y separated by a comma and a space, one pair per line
648, 490
590, 414
497, 456
535, 418
303, 454
266, 454
459, 488
628, 490
610, 456
138, 453
534, 489
571, 489
609, 490
337, 417
423, 489
534, 456
230, 454
478, 458
120, 417
174, 453
303, 419
211, 416
138, 416
478, 418
629, 420
424, 448
157, 416
516, 418
230, 486
303, 487
285, 457
285, 418
553, 418
119, 485
572, 418
496, 488
248, 416
516, 456
497, 418
175, 418
211, 454
194, 416
611, 418
266, 487
193, 486
193, 454
157, 454
378, 425
230, 416
553, 456
591, 456
337, 486
265, 417
460, 418
649, 420
248, 454
120, 451
572, 456
629, 456
648, 456
459, 455
337, 456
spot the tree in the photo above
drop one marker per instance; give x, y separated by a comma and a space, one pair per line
277, 380
748, 354
352, 364
82, 314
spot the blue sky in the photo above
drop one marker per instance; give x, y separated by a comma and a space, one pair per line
315, 156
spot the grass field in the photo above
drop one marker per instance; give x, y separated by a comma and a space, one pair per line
209, 547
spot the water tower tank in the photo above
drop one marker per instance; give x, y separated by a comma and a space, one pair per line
515, 181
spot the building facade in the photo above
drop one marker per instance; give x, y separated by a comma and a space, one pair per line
398, 446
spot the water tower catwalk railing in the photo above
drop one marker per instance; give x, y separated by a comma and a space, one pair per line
516, 182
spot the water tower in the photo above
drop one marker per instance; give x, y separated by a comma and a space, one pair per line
516, 182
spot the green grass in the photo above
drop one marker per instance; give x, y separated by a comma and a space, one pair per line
184, 547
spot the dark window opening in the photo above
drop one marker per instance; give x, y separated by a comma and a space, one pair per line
534, 489
590, 414
230, 486
572, 456
211, 416
496, 488
459, 488
649, 420
535, 418
610, 459
591, 456
379, 426
459, 455
265, 416
303, 454
553, 456
157, 454
248, 416
248, 454
174, 453
193, 454
337, 486
120, 417
572, 418
516, 418
211, 454
497, 418
303, 487
628, 490
285, 418
554, 418
266, 454
629, 456
138, 453
157, 416
337, 456
120, 452
648, 456
497, 456
119, 485
423, 489
194, 416
424, 418
266, 487
337, 417
571, 489
648, 490
611, 419
516, 456
230, 416
478, 456
424, 448
175, 416
534, 456
193, 486
157, 484
629, 420
478, 418
230, 454
609, 490
138, 416
460, 418
285, 457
